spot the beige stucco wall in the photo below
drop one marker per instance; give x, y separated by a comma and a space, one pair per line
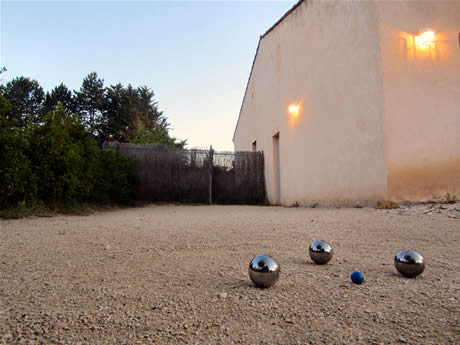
421, 98
326, 55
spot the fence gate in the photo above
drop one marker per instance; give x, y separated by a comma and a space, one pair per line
196, 176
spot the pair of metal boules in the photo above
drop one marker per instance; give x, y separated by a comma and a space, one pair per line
407, 262
264, 271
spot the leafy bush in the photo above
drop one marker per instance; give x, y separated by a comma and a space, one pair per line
57, 158
157, 135
18, 182
59, 162
114, 180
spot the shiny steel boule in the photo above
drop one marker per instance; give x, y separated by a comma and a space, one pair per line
321, 252
264, 271
409, 263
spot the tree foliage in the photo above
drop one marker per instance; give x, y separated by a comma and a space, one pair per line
59, 162
150, 115
49, 143
89, 102
115, 113
156, 135
25, 98
133, 116
60, 94
119, 110
17, 181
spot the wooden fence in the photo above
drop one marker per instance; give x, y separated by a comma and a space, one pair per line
196, 176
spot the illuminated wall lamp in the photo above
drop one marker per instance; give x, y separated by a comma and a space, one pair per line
294, 109
425, 39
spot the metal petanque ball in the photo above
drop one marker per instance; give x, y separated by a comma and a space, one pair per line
264, 271
409, 263
321, 252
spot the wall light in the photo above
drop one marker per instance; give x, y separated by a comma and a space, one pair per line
294, 109
425, 39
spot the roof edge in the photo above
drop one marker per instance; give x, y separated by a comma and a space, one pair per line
246, 90
282, 18
255, 56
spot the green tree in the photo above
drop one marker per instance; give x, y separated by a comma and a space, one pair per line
117, 114
151, 116
60, 94
157, 135
127, 109
4, 106
134, 113
25, 98
89, 103
17, 181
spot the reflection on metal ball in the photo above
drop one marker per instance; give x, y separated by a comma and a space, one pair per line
320, 252
409, 263
264, 271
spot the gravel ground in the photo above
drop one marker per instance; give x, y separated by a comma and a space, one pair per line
178, 275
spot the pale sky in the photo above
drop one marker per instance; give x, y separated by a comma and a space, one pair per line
196, 56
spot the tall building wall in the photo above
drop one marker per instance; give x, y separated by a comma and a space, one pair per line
325, 56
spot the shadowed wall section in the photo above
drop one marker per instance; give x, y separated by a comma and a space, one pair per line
421, 98
425, 181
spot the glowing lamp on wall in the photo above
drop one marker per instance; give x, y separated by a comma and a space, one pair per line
294, 109
425, 39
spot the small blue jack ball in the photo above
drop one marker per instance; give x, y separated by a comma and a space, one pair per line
357, 277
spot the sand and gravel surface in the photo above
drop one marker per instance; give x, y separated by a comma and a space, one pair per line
178, 275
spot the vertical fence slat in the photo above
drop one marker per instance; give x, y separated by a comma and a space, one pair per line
211, 170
